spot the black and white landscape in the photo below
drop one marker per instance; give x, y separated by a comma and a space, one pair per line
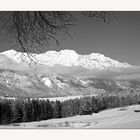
74, 86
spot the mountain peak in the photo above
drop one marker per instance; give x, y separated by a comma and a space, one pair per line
68, 51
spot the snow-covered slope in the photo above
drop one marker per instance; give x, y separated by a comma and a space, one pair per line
68, 58
15, 84
18, 84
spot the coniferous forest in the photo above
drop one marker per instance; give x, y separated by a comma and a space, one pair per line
28, 110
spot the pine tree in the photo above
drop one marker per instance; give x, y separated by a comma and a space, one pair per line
58, 110
94, 105
17, 111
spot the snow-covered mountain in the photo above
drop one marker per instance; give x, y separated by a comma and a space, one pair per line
15, 84
63, 73
67, 58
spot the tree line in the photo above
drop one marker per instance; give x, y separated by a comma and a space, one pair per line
28, 110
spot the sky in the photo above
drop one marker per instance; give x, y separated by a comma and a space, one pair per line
119, 40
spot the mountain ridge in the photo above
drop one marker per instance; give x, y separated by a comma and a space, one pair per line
67, 58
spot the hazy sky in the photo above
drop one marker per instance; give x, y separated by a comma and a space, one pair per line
120, 39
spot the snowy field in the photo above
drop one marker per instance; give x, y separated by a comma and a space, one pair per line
124, 117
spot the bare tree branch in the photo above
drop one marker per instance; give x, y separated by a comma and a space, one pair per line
33, 30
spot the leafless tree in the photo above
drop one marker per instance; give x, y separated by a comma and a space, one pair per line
32, 30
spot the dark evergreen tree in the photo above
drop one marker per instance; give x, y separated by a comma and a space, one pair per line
58, 110
94, 105
17, 112
87, 109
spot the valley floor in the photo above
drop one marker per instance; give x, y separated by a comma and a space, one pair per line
124, 117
